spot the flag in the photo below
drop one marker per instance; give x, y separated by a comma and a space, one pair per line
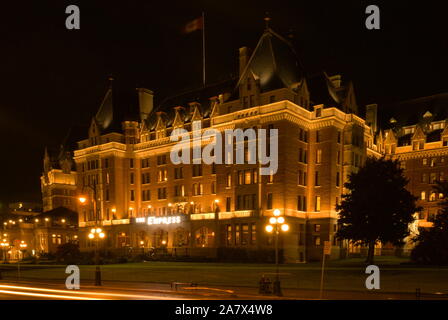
196, 24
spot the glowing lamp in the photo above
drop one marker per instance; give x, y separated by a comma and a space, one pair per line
269, 228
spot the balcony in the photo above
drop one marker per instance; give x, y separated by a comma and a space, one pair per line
202, 216
236, 214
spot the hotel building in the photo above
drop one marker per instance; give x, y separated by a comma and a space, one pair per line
143, 201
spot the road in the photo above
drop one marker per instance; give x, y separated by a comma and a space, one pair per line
40, 291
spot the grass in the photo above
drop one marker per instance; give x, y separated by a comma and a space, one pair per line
349, 274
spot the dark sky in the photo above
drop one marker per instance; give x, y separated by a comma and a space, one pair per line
53, 78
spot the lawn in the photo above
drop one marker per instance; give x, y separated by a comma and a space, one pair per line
349, 274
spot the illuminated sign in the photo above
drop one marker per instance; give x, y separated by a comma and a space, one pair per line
164, 220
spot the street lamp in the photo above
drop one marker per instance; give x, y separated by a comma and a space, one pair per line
97, 234
22, 249
4, 244
276, 224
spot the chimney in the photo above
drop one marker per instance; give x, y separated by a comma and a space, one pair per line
371, 116
244, 58
145, 101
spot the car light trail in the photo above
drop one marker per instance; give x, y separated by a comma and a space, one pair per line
91, 293
43, 295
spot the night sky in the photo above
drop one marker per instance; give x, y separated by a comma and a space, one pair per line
54, 78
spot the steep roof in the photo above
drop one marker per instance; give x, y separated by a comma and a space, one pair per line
118, 105
274, 63
411, 112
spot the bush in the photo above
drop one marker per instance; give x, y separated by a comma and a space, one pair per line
68, 253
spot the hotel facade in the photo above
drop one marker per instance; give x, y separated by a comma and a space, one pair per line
144, 202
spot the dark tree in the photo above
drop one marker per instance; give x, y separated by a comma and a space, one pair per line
68, 253
432, 243
377, 207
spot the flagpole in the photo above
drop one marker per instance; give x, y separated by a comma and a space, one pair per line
203, 48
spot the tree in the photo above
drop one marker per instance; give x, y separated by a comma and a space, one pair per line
68, 253
377, 207
432, 243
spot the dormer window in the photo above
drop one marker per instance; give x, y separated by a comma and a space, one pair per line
318, 112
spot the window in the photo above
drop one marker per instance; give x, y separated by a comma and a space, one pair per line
132, 195
319, 156
162, 175
317, 241
339, 136
245, 234
237, 234
337, 179
317, 205
317, 228
161, 193
252, 100
228, 204
316, 179
145, 163
248, 177
318, 137
338, 157
423, 195
198, 189
197, 170
432, 196
229, 234
253, 233
269, 201
106, 163
131, 163
301, 203
318, 112
161, 159
433, 178
229, 180
255, 176
425, 162
131, 178
146, 178
271, 99
146, 195
213, 187
178, 173
107, 195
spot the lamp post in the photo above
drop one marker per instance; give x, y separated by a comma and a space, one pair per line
95, 233
276, 224
22, 249
5, 245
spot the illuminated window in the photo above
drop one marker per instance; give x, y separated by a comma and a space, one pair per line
229, 234
317, 205
317, 228
253, 233
317, 241
432, 196
319, 156
229, 180
248, 177
423, 195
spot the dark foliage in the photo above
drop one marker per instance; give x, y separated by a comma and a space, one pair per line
432, 243
377, 207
